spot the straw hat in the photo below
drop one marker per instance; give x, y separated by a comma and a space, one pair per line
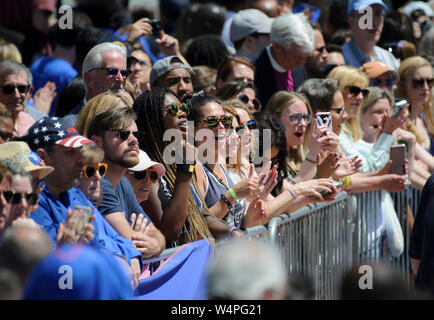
19, 152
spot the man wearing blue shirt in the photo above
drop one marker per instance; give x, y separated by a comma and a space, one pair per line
59, 146
115, 131
366, 19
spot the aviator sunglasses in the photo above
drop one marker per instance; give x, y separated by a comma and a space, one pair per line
251, 124
16, 197
90, 171
174, 109
213, 122
9, 89
140, 175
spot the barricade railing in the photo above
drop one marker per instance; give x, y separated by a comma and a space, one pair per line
316, 243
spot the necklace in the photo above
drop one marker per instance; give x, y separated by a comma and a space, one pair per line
216, 176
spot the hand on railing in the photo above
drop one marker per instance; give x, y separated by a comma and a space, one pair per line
312, 188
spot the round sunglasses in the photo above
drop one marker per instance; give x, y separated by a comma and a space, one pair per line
16, 197
140, 175
244, 98
213, 121
90, 171
174, 109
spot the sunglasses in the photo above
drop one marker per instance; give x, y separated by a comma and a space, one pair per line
417, 84
295, 118
244, 98
355, 91
113, 72
213, 122
379, 82
174, 109
140, 175
90, 171
6, 136
16, 197
9, 89
251, 124
124, 135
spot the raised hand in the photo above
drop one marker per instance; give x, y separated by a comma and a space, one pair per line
44, 97
257, 213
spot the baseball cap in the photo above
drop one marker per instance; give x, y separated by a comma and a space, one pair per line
418, 5
356, 5
50, 130
145, 162
375, 69
20, 153
163, 66
247, 22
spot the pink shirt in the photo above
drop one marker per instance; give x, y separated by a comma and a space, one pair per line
23, 122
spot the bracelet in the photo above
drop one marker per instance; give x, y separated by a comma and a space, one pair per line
233, 194
232, 229
185, 168
226, 201
307, 159
292, 193
345, 182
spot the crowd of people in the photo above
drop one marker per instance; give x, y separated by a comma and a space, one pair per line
125, 135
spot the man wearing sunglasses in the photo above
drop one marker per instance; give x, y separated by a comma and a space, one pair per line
316, 62
380, 75
15, 89
115, 131
59, 146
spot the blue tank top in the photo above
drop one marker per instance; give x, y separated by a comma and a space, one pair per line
214, 190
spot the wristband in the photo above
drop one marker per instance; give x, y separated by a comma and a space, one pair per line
233, 194
345, 182
232, 229
226, 201
292, 193
185, 168
309, 160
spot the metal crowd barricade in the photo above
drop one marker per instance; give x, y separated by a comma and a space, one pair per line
316, 243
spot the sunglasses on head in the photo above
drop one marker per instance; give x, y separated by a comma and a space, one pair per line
90, 171
213, 122
379, 82
244, 98
418, 83
251, 124
124, 134
295, 118
16, 197
140, 175
113, 72
174, 109
355, 91
9, 89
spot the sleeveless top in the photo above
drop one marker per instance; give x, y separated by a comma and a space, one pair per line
213, 191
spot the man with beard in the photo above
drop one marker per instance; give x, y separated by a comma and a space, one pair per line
58, 145
115, 131
366, 19
315, 63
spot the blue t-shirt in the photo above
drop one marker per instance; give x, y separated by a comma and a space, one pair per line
122, 200
52, 211
55, 70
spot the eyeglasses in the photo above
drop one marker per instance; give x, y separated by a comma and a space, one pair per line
379, 82
6, 136
90, 171
16, 197
174, 109
418, 83
113, 72
244, 98
338, 110
251, 124
295, 118
124, 135
140, 175
213, 122
355, 91
9, 89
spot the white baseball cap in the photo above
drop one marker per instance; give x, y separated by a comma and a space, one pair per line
145, 162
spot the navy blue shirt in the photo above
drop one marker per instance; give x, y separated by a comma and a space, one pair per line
52, 211
122, 200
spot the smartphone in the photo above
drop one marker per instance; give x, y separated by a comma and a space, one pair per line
398, 106
84, 213
324, 118
397, 155
156, 27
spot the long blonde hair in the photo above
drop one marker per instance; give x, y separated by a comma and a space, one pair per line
350, 76
100, 103
407, 66
276, 104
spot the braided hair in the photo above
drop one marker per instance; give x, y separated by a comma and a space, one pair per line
149, 108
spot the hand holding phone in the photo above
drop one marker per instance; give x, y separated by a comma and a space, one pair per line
83, 214
398, 107
324, 119
397, 155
